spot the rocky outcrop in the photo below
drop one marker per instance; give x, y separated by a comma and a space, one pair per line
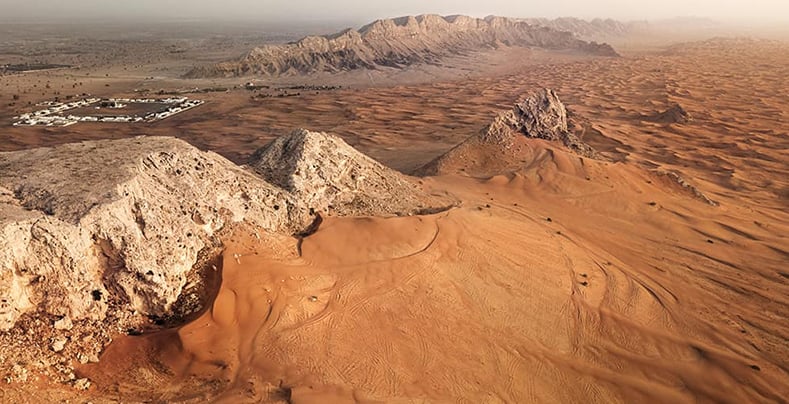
123, 220
541, 115
106, 237
679, 183
397, 43
674, 114
330, 176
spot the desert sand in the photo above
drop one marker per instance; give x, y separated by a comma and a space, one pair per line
545, 286
568, 279
611, 300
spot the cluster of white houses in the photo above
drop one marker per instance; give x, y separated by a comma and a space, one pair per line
55, 114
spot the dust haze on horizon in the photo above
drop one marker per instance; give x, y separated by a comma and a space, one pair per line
735, 11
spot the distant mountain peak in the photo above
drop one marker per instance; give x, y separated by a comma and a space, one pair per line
397, 43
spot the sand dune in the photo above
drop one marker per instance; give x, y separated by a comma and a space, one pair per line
545, 286
566, 279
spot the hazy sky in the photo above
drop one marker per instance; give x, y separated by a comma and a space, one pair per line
358, 10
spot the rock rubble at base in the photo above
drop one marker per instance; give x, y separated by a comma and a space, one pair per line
674, 114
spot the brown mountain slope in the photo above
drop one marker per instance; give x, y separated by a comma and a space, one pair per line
396, 43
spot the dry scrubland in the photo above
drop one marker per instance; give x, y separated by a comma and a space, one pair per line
566, 279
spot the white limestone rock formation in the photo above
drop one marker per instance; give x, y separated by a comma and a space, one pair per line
88, 223
328, 175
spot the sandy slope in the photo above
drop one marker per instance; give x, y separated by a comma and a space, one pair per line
613, 299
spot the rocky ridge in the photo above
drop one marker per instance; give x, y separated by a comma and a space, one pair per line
397, 43
679, 183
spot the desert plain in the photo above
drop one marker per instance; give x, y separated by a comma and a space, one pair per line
656, 270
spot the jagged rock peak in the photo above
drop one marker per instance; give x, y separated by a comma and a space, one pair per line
541, 115
330, 176
500, 146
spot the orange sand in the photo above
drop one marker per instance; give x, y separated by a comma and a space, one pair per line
611, 300
634, 291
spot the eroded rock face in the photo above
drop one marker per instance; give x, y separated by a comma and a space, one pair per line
328, 175
84, 221
46, 262
541, 115
397, 43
